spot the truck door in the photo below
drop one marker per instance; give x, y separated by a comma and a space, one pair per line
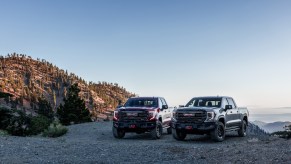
235, 113
166, 113
229, 114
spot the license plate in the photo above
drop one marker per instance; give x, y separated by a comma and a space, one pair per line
132, 126
188, 127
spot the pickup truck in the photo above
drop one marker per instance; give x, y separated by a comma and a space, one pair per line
209, 115
142, 114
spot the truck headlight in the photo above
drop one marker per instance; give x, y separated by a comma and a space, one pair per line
210, 116
152, 115
174, 115
115, 116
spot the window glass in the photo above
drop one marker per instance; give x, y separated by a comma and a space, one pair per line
230, 101
160, 103
163, 101
224, 102
142, 102
204, 102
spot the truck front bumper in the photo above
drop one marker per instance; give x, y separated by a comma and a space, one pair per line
194, 128
134, 126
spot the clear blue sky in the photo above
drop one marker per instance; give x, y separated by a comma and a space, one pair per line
175, 49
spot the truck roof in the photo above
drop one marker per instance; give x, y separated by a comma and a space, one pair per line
145, 97
213, 97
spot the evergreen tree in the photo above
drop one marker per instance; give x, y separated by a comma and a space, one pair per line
74, 109
5, 95
45, 108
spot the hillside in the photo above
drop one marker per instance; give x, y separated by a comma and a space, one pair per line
256, 130
28, 79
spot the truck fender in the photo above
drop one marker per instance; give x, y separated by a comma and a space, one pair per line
221, 118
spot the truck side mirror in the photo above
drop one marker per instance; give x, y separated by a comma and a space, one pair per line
228, 107
164, 107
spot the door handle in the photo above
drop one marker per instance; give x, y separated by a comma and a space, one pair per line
230, 111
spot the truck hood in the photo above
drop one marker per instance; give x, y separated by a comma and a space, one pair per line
136, 108
207, 109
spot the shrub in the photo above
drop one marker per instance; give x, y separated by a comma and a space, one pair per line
5, 115
19, 124
284, 134
3, 133
55, 130
38, 124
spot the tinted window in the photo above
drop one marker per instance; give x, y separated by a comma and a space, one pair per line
142, 102
163, 101
224, 102
230, 101
204, 102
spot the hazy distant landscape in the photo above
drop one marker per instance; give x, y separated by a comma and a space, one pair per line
269, 118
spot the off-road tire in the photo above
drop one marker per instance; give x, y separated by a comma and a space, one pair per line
242, 132
218, 134
169, 130
118, 133
178, 135
156, 133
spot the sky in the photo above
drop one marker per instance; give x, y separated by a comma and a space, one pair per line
169, 48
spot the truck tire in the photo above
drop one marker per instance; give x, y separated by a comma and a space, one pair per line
218, 134
156, 133
169, 130
178, 135
118, 133
242, 132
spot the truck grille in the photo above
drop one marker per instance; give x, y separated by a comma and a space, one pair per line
197, 116
133, 115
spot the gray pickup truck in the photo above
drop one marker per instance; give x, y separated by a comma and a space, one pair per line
209, 115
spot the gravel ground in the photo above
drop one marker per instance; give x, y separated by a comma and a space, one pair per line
94, 143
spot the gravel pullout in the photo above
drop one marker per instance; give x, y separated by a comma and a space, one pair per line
94, 143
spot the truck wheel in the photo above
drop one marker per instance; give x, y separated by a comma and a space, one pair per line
118, 133
156, 133
178, 135
218, 134
242, 132
169, 130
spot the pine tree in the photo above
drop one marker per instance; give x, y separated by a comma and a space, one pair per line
74, 109
45, 108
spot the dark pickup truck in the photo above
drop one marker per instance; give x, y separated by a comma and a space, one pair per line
142, 114
209, 115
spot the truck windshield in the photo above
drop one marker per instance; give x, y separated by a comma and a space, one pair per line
204, 102
142, 102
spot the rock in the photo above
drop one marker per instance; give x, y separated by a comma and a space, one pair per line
253, 140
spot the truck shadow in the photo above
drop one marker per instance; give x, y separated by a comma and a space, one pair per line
207, 138
135, 136
190, 137
144, 136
